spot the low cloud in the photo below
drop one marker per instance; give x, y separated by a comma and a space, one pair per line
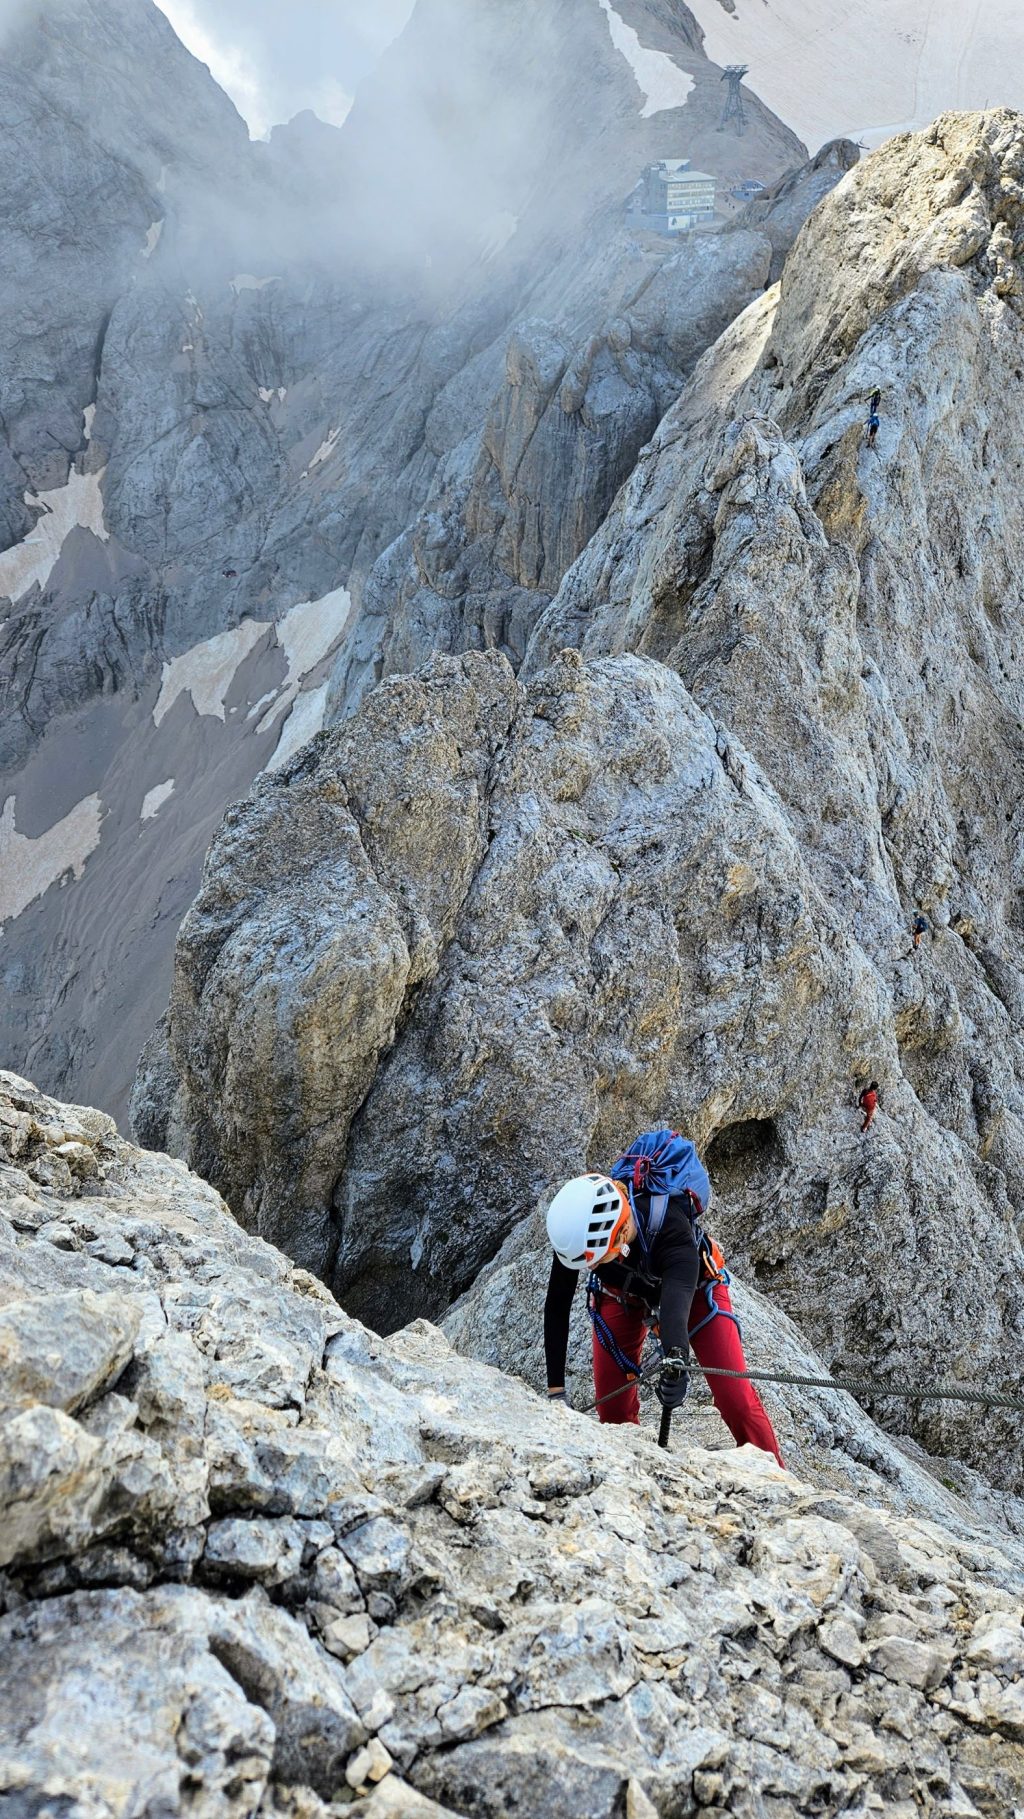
275, 61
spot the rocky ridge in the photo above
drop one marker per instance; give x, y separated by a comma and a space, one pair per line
670, 875
255, 1559
254, 382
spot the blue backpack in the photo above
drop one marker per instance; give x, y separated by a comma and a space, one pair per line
661, 1164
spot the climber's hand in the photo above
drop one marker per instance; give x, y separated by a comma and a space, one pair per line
673, 1381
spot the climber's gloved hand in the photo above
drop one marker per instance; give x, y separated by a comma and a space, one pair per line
673, 1381
557, 1396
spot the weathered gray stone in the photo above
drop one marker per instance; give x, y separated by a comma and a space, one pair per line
554, 1611
268, 1550
998, 1644
50, 1483
909, 1662
297, 1684
222, 363
113, 1703
64, 1352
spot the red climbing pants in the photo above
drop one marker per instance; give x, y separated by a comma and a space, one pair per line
717, 1343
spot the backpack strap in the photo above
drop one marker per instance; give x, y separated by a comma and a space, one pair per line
656, 1216
648, 1229
605, 1337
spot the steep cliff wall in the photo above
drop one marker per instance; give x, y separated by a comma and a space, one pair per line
234, 375
673, 879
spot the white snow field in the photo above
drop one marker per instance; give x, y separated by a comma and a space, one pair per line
29, 866
874, 69
659, 80
76, 506
154, 799
207, 671
306, 634
305, 719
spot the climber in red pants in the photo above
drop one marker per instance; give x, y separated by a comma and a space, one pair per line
868, 1102
718, 1343
638, 1230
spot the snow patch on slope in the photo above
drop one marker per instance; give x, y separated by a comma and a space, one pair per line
207, 671
498, 233
28, 867
154, 799
76, 506
306, 634
153, 239
305, 719
325, 450
662, 83
868, 71
245, 281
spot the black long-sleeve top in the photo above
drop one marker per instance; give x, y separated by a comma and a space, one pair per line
669, 1283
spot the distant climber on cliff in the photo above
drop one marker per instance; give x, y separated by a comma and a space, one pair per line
921, 927
868, 1102
638, 1233
874, 420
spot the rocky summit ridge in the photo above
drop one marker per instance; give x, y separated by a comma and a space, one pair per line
475, 936
254, 1559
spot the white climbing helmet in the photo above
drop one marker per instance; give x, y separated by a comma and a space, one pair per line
586, 1219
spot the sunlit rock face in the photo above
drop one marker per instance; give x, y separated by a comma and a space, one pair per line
671, 873
390, 376
254, 1559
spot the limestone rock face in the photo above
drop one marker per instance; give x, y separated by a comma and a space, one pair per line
850, 607
794, 724
783, 207
277, 1565
321, 920
254, 446
585, 381
604, 883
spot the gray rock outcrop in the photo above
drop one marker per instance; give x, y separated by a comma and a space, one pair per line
782, 208
688, 861
811, 591
268, 444
264, 1562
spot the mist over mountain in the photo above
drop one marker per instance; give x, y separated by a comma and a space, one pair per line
234, 373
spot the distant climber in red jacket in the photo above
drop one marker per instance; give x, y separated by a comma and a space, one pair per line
868, 1103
